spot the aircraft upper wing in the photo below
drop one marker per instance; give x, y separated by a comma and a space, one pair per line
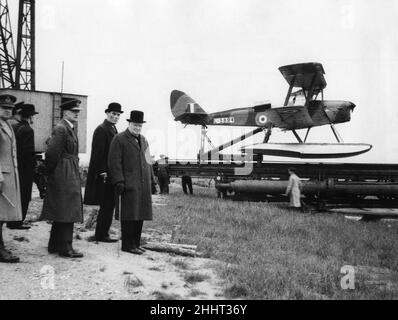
289, 118
303, 75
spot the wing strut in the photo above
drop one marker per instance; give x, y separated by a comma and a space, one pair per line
306, 136
336, 133
297, 136
289, 93
311, 90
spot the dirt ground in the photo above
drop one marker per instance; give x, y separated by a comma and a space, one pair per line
104, 273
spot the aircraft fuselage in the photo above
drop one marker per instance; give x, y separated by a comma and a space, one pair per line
318, 113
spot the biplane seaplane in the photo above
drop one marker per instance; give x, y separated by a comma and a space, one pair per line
311, 112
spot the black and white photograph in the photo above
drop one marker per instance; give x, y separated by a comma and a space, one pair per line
211, 152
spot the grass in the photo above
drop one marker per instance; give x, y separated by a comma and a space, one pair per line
195, 277
181, 264
273, 253
161, 295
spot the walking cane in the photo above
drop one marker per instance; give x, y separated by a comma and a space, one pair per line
120, 228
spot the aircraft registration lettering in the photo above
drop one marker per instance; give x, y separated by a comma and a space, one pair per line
224, 120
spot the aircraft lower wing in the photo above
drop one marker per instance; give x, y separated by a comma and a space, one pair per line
308, 150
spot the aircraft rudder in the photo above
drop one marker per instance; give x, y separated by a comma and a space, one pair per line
184, 108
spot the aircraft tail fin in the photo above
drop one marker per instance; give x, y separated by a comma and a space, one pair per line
186, 110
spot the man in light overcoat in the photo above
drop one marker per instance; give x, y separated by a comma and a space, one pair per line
293, 189
10, 197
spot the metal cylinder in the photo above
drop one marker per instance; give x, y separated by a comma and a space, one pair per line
328, 187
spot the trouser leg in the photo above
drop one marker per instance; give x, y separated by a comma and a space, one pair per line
25, 206
162, 184
137, 230
1, 236
190, 186
127, 235
53, 241
65, 237
105, 214
184, 186
26, 195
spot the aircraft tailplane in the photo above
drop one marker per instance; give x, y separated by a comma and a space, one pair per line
186, 110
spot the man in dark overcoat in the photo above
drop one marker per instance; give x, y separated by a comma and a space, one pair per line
23, 119
129, 165
63, 201
99, 189
10, 195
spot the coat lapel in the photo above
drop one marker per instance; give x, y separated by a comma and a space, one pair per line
131, 139
70, 129
6, 128
110, 128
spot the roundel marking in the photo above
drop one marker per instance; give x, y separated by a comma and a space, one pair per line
261, 119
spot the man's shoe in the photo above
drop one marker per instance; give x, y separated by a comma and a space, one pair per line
133, 251
106, 239
71, 254
141, 249
7, 257
51, 250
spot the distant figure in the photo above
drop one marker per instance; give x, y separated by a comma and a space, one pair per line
187, 181
294, 189
163, 174
23, 119
39, 177
153, 184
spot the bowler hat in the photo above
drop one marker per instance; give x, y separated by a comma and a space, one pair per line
71, 105
114, 107
7, 100
136, 117
28, 110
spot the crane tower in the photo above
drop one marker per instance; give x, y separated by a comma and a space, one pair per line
17, 66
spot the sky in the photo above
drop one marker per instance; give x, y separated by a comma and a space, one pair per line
224, 54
